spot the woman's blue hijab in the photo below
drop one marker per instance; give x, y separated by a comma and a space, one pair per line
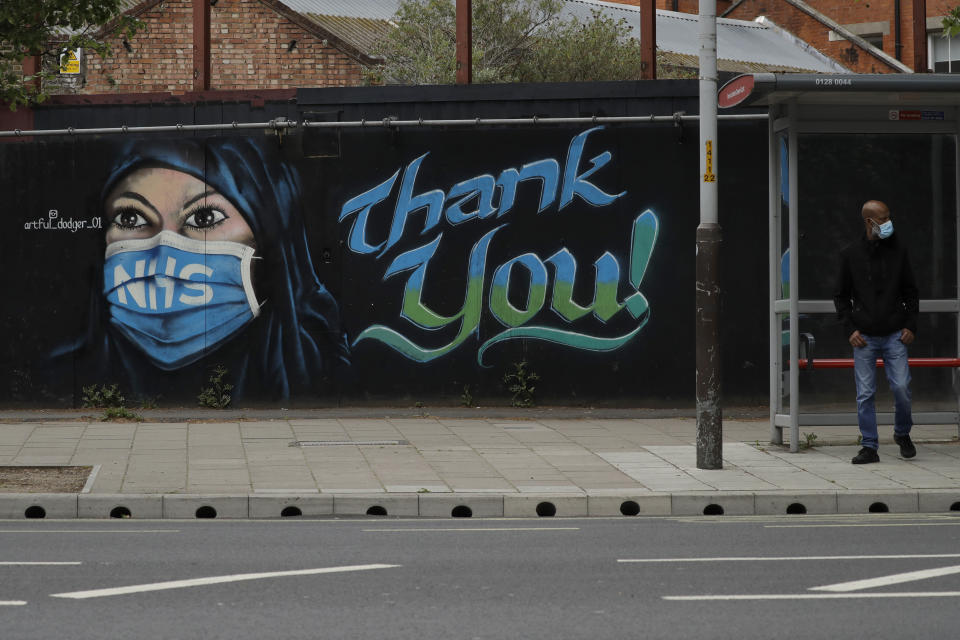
296, 345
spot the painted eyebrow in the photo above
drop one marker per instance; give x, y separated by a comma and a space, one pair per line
133, 195
205, 194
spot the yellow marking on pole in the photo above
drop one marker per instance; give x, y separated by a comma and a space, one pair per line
709, 176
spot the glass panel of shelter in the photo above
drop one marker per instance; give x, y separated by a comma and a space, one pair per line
916, 175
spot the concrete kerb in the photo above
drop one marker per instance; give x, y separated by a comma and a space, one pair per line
939, 500
545, 506
787, 502
461, 506
185, 506
18, 506
120, 505
657, 504
878, 501
377, 504
701, 503
286, 506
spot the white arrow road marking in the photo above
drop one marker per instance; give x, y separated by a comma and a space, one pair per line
12, 603
785, 558
820, 596
897, 578
196, 582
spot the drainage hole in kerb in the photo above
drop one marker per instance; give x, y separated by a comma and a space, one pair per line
376, 510
36, 511
120, 512
462, 511
796, 508
955, 506
291, 512
206, 511
713, 510
546, 509
879, 507
630, 508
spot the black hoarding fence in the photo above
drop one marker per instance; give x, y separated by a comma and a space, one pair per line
436, 259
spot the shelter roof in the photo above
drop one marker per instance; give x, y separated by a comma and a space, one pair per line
764, 89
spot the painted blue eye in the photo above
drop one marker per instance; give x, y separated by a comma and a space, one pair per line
205, 218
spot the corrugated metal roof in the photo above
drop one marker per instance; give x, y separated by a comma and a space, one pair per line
737, 40
740, 44
362, 33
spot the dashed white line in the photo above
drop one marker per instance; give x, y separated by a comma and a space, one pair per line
38, 564
883, 581
786, 558
818, 596
876, 524
12, 603
438, 529
196, 582
89, 531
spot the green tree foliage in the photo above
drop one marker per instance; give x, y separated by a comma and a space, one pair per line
951, 23
49, 28
513, 41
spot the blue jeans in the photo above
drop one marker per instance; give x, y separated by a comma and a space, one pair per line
894, 354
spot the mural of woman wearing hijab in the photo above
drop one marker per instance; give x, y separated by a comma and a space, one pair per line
206, 263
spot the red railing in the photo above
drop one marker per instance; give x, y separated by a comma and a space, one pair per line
847, 363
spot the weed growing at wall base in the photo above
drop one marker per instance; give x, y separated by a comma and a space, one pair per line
520, 383
217, 395
97, 396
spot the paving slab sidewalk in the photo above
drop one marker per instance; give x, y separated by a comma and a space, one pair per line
513, 465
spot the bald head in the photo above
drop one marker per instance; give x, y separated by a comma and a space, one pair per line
874, 213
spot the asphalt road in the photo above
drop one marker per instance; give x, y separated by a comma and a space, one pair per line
719, 577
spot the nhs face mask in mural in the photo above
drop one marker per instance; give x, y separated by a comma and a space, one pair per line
177, 298
884, 230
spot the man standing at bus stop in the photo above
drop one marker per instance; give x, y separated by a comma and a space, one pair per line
877, 300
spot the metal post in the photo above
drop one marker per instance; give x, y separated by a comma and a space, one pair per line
648, 40
956, 244
709, 405
773, 260
920, 36
201, 45
464, 41
794, 234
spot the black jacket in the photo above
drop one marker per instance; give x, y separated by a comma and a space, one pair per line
876, 292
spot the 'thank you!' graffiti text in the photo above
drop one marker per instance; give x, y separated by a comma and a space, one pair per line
491, 198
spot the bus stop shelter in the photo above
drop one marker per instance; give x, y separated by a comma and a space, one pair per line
911, 123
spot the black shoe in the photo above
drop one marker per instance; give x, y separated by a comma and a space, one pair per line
866, 456
907, 450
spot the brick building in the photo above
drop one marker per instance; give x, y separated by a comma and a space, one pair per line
253, 44
869, 36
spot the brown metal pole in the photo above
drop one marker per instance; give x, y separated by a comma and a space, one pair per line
648, 40
920, 36
464, 41
201, 45
31, 66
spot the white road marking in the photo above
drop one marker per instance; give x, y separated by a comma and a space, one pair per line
16, 564
877, 524
196, 582
12, 603
89, 531
883, 581
480, 529
820, 596
783, 558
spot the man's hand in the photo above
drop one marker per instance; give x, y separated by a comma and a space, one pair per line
857, 340
906, 336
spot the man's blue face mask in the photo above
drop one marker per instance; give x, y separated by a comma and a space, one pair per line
882, 231
177, 299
